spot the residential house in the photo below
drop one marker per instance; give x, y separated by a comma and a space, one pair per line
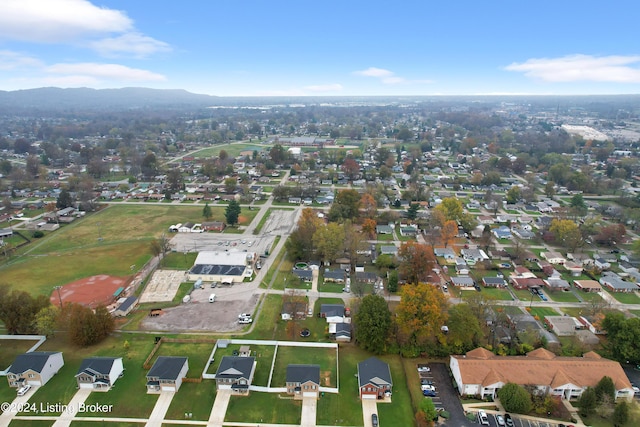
333, 313
527, 283
304, 275
615, 283
462, 281
522, 273
462, 268
601, 264
474, 255
502, 232
574, 268
448, 254
187, 227
374, 379
553, 257
167, 374
334, 276
410, 230
587, 285
384, 229
366, 277
35, 368
99, 373
341, 332
235, 373
481, 373
523, 233
303, 381
557, 284
494, 282
389, 250
485, 219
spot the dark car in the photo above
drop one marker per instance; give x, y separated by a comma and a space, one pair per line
425, 381
374, 420
428, 393
508, 420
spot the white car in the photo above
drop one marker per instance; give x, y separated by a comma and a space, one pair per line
427, 387
24, 390
243, 315
245, 320
482, 418
500, 420
424, 369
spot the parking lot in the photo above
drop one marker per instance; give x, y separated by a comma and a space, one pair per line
446, 396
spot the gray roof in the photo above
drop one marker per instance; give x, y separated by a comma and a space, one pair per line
334, 274
332, 309
167, 367
388, 249
303, 274
374, 371
343, 330
366, 276
303, 373
96, 365
34, 361
462, 281
497, 281
217, 269
128, 302
235, 367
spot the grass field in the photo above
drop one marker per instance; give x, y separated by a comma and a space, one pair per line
194, 398
74, 251
233, 150
198, 353
542, 312
9, 349
561, 296
625, 298
497, 294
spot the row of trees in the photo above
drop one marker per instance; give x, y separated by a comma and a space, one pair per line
24, 314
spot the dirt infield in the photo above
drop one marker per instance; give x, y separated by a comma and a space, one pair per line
91, 291
163, 286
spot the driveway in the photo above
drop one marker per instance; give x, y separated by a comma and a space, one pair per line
309, 407
67, 416
447, 397
369, 407
219, 409
12, 410
160, 409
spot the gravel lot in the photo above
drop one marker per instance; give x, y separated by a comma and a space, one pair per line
201, 315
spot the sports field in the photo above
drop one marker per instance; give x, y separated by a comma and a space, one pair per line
108, 242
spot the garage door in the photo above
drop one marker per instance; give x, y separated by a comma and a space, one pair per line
309, 394
224, 386
86, 385
369, 396
168, 388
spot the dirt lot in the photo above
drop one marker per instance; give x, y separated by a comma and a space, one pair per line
201, 315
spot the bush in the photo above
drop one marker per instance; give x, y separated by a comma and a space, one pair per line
37, 234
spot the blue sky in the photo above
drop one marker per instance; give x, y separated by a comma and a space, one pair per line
344, 48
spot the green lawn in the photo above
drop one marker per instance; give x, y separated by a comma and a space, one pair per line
179, 261
325, 357
265, 326
110, 424
262, 353
330, 287
561, 296
9, 349
635, 312
542, 312
497, 294
266, 408
35, 423
198, 353
625, 298
524, 295
194, 398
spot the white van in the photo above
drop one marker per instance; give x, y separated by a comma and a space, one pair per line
212, 298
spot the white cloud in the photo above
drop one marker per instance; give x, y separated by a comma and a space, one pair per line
105, 72
334, 87
393, 80
374, 72
52, 21
573, 68
134, 44
10, 60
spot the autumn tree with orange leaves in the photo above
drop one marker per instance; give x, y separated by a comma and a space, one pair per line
416, 261
419, 317
369, 228
368, 206
449, 232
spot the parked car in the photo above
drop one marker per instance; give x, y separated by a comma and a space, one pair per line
508, 420
424, 381
482, 418
429, 393
245, 320
374, 420
427, 387
424, 368
500, 420
24, 390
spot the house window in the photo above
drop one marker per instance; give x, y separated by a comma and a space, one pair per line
31, 376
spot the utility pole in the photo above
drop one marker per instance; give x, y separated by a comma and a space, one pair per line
57, 288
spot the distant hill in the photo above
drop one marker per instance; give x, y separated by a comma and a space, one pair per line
57, 99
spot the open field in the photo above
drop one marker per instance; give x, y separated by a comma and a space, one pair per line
264, 407
184, 401
233, 150
74, 251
